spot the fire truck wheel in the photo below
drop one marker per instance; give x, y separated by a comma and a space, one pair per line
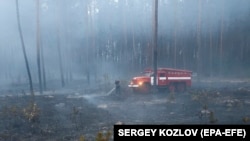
181, 87
146, 88
171, 88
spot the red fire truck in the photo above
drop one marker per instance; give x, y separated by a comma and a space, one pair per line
167, 79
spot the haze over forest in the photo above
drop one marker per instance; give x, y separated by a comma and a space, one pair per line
80, 38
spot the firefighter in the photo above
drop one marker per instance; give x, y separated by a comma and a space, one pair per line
117, 87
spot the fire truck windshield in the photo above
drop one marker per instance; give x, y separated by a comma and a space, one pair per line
147, 74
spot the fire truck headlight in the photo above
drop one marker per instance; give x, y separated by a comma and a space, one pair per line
140, 83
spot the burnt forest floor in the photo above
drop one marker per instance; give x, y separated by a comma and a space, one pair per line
74, 113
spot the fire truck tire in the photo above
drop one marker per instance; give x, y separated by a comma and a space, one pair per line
171, 88
181, 87
146, 87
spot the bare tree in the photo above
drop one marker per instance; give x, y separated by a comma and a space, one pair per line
43, 69
24, 51
221, 38
38, 45
155, 21
60, 58
92, 37
59, 48
199, 40
88, 12
210, 51
175, 33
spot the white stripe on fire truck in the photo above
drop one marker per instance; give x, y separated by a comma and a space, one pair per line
162, 78
178, 78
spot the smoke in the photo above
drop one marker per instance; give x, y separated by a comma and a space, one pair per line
116, 37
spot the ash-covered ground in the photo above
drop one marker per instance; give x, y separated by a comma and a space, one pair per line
78, 111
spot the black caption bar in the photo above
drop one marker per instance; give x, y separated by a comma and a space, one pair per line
194, 132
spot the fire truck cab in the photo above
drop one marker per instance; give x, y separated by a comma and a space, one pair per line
166, 79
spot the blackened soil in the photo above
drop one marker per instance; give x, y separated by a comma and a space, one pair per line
70, 115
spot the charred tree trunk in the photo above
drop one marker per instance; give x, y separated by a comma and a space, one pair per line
125, 36
134, 51
210, 52
155, 21
24, 51
60, 60
88, 12
59, 49
198, 59
221, 40
43, 70
38, 47
175, 34
92, 46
